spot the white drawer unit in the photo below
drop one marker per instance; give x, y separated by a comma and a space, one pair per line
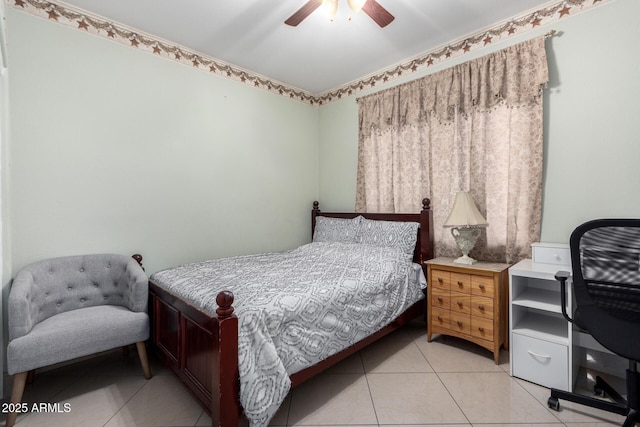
541, 362
541, 338
551, 253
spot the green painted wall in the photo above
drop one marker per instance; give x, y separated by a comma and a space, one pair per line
117, 150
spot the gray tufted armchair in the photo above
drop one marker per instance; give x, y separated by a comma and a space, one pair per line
63, 308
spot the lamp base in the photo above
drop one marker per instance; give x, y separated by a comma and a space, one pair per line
465, 260
465, 238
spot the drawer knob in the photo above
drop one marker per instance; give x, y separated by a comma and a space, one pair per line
439, 318
481, 286
459, 323
459, 303
460, 283
439, 299
481, 307
481, 329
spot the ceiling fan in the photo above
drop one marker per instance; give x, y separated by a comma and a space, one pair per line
379, 14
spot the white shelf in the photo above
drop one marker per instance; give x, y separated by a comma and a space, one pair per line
527, 268
541, 299
548, 328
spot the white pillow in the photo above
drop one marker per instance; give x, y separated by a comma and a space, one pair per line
343, 230
394, 234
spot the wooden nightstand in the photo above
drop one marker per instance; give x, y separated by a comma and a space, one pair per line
469, 302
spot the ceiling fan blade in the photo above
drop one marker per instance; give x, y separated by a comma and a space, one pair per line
378, 13
302, 13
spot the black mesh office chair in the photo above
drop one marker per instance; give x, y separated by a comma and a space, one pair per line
605, 258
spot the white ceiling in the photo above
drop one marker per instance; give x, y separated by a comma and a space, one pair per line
318, 55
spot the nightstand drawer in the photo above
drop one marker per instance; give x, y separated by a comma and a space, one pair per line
461, 282
441, 279
460, 303
482, 328
461, 323
482, 306
482, 285
441, 299
440, 317
541, 362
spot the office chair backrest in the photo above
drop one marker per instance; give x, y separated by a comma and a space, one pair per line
606, 279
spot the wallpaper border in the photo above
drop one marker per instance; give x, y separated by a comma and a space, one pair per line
70, 16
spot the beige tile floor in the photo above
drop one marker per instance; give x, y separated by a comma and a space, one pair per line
398, 381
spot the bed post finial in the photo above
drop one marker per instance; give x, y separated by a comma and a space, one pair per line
224, 301
316, 206
138, 259
426, 204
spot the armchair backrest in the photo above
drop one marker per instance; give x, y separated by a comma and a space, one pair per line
52, 286
605, 258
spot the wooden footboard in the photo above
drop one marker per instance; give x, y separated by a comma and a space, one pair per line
202, 349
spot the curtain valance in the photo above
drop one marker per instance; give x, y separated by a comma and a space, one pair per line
479, 84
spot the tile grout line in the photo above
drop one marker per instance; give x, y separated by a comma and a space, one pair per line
366, 378
441, 382
125, 404
452, 397
132, 396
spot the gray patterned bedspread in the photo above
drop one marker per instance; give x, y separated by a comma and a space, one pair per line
298, 307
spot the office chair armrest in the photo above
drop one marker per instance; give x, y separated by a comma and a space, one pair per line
562, 277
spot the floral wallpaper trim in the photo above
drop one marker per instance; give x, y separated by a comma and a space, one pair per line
500, 32
72, 17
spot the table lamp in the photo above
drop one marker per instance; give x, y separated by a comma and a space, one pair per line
466, 222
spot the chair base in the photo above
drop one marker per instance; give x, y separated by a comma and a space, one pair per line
619, 405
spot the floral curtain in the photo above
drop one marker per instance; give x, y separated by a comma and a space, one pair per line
474, 127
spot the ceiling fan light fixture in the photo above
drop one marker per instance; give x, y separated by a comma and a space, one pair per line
379, 14
330, 8
356, 5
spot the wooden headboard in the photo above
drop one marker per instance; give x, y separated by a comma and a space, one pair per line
424, 243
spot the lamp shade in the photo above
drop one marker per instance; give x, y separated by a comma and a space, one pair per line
330, 8
465, 213
356, 5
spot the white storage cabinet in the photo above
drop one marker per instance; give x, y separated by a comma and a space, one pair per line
541, 338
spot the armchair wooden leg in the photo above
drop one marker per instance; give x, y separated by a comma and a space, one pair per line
144, 360
19, 380
31, 376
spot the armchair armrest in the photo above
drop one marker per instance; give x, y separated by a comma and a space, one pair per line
19, 306
138, 285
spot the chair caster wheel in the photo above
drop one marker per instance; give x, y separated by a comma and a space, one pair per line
599, 391
553, 403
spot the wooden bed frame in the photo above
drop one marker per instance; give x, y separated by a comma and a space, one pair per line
202, 349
